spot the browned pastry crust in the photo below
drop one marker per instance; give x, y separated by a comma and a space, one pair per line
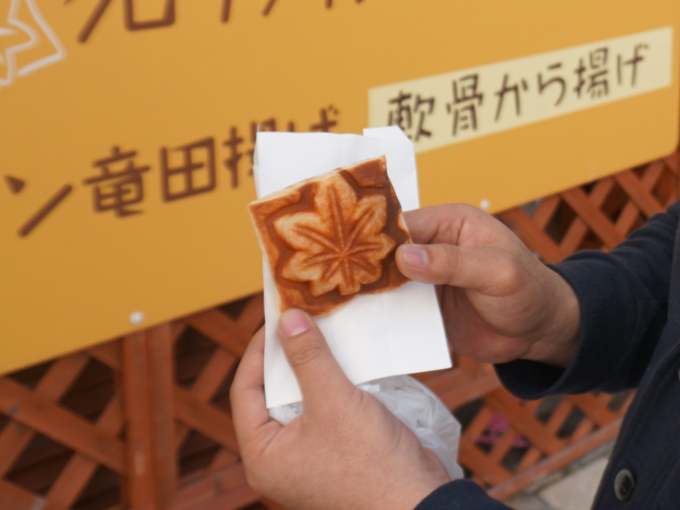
332, 237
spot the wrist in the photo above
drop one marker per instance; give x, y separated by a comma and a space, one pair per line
557, 342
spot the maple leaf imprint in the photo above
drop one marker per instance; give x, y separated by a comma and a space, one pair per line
339, 243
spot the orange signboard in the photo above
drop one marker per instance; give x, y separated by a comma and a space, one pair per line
128, 129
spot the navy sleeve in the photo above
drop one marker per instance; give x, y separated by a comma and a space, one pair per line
460, 495
623, 298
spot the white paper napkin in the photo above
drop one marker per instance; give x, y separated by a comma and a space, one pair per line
372, 336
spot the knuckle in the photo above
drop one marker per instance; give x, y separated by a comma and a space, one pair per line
508, 272
451, 259
252, 479
304, 353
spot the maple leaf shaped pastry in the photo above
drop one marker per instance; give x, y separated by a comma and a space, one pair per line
333, 237
339, 244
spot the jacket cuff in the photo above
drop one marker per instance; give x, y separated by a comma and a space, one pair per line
604, 323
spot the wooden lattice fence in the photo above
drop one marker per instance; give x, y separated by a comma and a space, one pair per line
144, 422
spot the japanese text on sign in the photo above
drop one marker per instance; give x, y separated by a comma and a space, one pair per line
166, 19
185, 171
449, 108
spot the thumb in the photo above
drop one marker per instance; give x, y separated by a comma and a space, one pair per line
468, 268
319, 375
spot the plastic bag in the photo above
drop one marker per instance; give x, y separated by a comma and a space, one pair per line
416, 406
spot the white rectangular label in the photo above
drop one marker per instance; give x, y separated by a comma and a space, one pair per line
449, 108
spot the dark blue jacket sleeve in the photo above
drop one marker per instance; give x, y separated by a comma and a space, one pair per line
623, 297
460, 495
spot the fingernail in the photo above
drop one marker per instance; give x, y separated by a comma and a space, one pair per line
415, 256
293, 322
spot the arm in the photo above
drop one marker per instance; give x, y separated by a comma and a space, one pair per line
623, 298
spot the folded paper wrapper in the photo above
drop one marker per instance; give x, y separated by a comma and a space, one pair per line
374, 336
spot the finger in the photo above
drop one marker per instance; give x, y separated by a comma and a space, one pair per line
247, 392
439, 223
484, 270
321, 379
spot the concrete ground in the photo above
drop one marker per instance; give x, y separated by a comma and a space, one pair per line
573, 488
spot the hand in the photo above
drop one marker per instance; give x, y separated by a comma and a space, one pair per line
346, 451
499, 302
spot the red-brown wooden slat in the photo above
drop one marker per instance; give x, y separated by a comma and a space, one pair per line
649, 179
626, 220
253, 314
79, 470
139, 456
596, 411
223, 459
637, 192
160, 342
445, 380
207, 383
525, 424
13, 497
479, 463
561, 413
555, 462
578, 229
61, 425
15, 437
652, 174
205, 419
478, 424
206, 489
468, 365
221, 329
531, 457
574, 236
109, 354
532, 236
176, 330
531, 406
503, 445
545, 211
470, 391
582, 430
591, 215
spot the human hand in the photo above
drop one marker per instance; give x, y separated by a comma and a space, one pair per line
346, 450
499, 302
